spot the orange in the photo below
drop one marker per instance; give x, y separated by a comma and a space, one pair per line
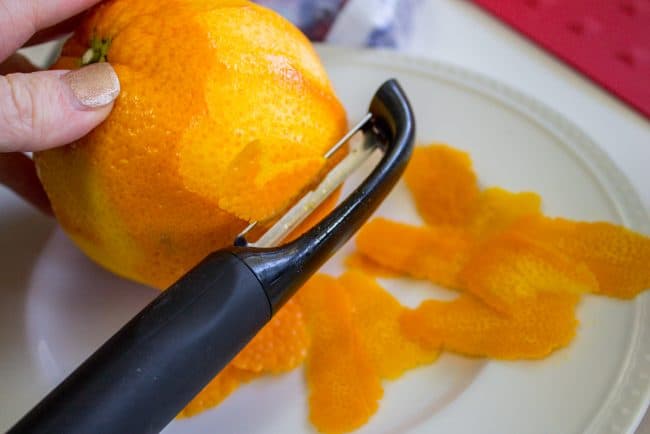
224, 117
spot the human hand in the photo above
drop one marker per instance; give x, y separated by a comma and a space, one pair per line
44, 109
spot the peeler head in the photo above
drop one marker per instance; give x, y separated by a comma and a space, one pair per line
284, 269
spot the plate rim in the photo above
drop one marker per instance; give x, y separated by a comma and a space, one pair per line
628, 399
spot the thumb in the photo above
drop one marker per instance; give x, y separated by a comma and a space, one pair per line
52, 108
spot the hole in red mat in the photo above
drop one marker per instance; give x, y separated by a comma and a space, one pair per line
534, 4
586, 26
626, 57
628, 8
576, 27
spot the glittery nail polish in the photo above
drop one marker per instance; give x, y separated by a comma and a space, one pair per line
94, 85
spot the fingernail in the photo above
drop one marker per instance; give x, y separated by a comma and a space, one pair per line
94, 85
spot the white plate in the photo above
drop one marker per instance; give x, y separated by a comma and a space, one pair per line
600, 384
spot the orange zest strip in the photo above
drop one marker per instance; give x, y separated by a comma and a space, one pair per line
443, 184
511, 268
469, 327
376, 317
618, 257
280, 346
497, 209
434, 253
344, 388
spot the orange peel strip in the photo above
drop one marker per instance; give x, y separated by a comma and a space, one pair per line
468, 326
376, 317
443, 184
280, 346
344, 388
358, 261
511, 268
497, 209
217, 390
618, 257
434, 253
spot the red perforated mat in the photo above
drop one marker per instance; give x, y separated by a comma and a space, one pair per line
608, 40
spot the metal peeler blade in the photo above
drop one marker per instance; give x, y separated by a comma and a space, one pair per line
310, 201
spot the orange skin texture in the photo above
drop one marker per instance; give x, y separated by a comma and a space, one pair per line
438, 253
468, 326
280, 346
510, 269
237, 193
344, 386
376, 316
496, 209
434, 253
211, 130
443, 184
618, 257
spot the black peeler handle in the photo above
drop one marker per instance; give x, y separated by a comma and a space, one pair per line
139, 379
148, 371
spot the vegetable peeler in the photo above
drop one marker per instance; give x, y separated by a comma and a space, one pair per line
143, 376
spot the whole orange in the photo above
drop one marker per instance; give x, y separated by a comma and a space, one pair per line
224, 117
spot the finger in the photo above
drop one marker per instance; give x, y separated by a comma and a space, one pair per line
61, 29
51, 108
16, 63
17, 171
20, 19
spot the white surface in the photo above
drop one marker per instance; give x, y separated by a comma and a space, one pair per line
457, 32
